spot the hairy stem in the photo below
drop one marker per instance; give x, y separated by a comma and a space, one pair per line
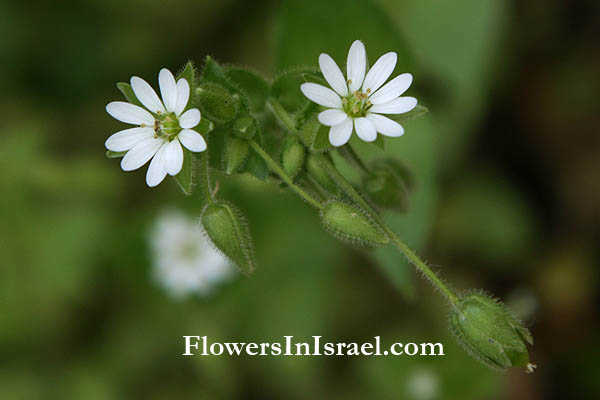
285, 177
204, 178
287, 120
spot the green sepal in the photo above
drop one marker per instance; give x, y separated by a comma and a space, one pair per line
115, 154
236, 153
226, 227
293, 154
349, 223
128, 93
204, 127
190, 75
257, 167
254, 87
245, 127
186, 177
416, 112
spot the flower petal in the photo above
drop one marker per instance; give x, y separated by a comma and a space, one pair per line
332, 74
146, 95
190, 118
173, 157
321, 95
158, 167
340, 134
397, 106
129, 113
392, 89
168, 89
140, 153
332, 117
379, 73
125, 140
357, 63
183, 95
192, 140
365, 129
386, 126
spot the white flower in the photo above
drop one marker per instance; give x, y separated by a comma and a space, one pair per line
184, 261
358, 101
161, 129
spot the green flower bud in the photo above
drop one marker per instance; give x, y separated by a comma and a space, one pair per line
318, 174
236, 154
245, 127
386, 189
293, 154
490, 333
349, 223
227, 229
217, 103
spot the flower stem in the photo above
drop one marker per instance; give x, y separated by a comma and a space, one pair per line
288, 121
204, 178
285, 177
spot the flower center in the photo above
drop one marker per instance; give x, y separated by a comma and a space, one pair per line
357, 104
166, 126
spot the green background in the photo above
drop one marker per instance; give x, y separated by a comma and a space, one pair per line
507, 199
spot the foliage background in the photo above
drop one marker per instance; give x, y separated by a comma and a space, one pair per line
508, 192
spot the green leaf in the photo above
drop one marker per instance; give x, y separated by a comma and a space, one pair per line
127, 91
252, 85
414, 113
115, 154
186, 177
286, 87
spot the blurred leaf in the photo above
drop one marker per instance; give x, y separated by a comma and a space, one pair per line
115, 154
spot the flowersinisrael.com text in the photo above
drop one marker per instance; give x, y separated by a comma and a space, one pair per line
201, 345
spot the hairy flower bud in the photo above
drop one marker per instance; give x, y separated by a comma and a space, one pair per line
292, 156
227, 229
217, 103
490, 333
348, 223
236, 153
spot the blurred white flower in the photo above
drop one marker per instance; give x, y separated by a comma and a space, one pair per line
358, 101
422, 384
160, 132
184, 261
